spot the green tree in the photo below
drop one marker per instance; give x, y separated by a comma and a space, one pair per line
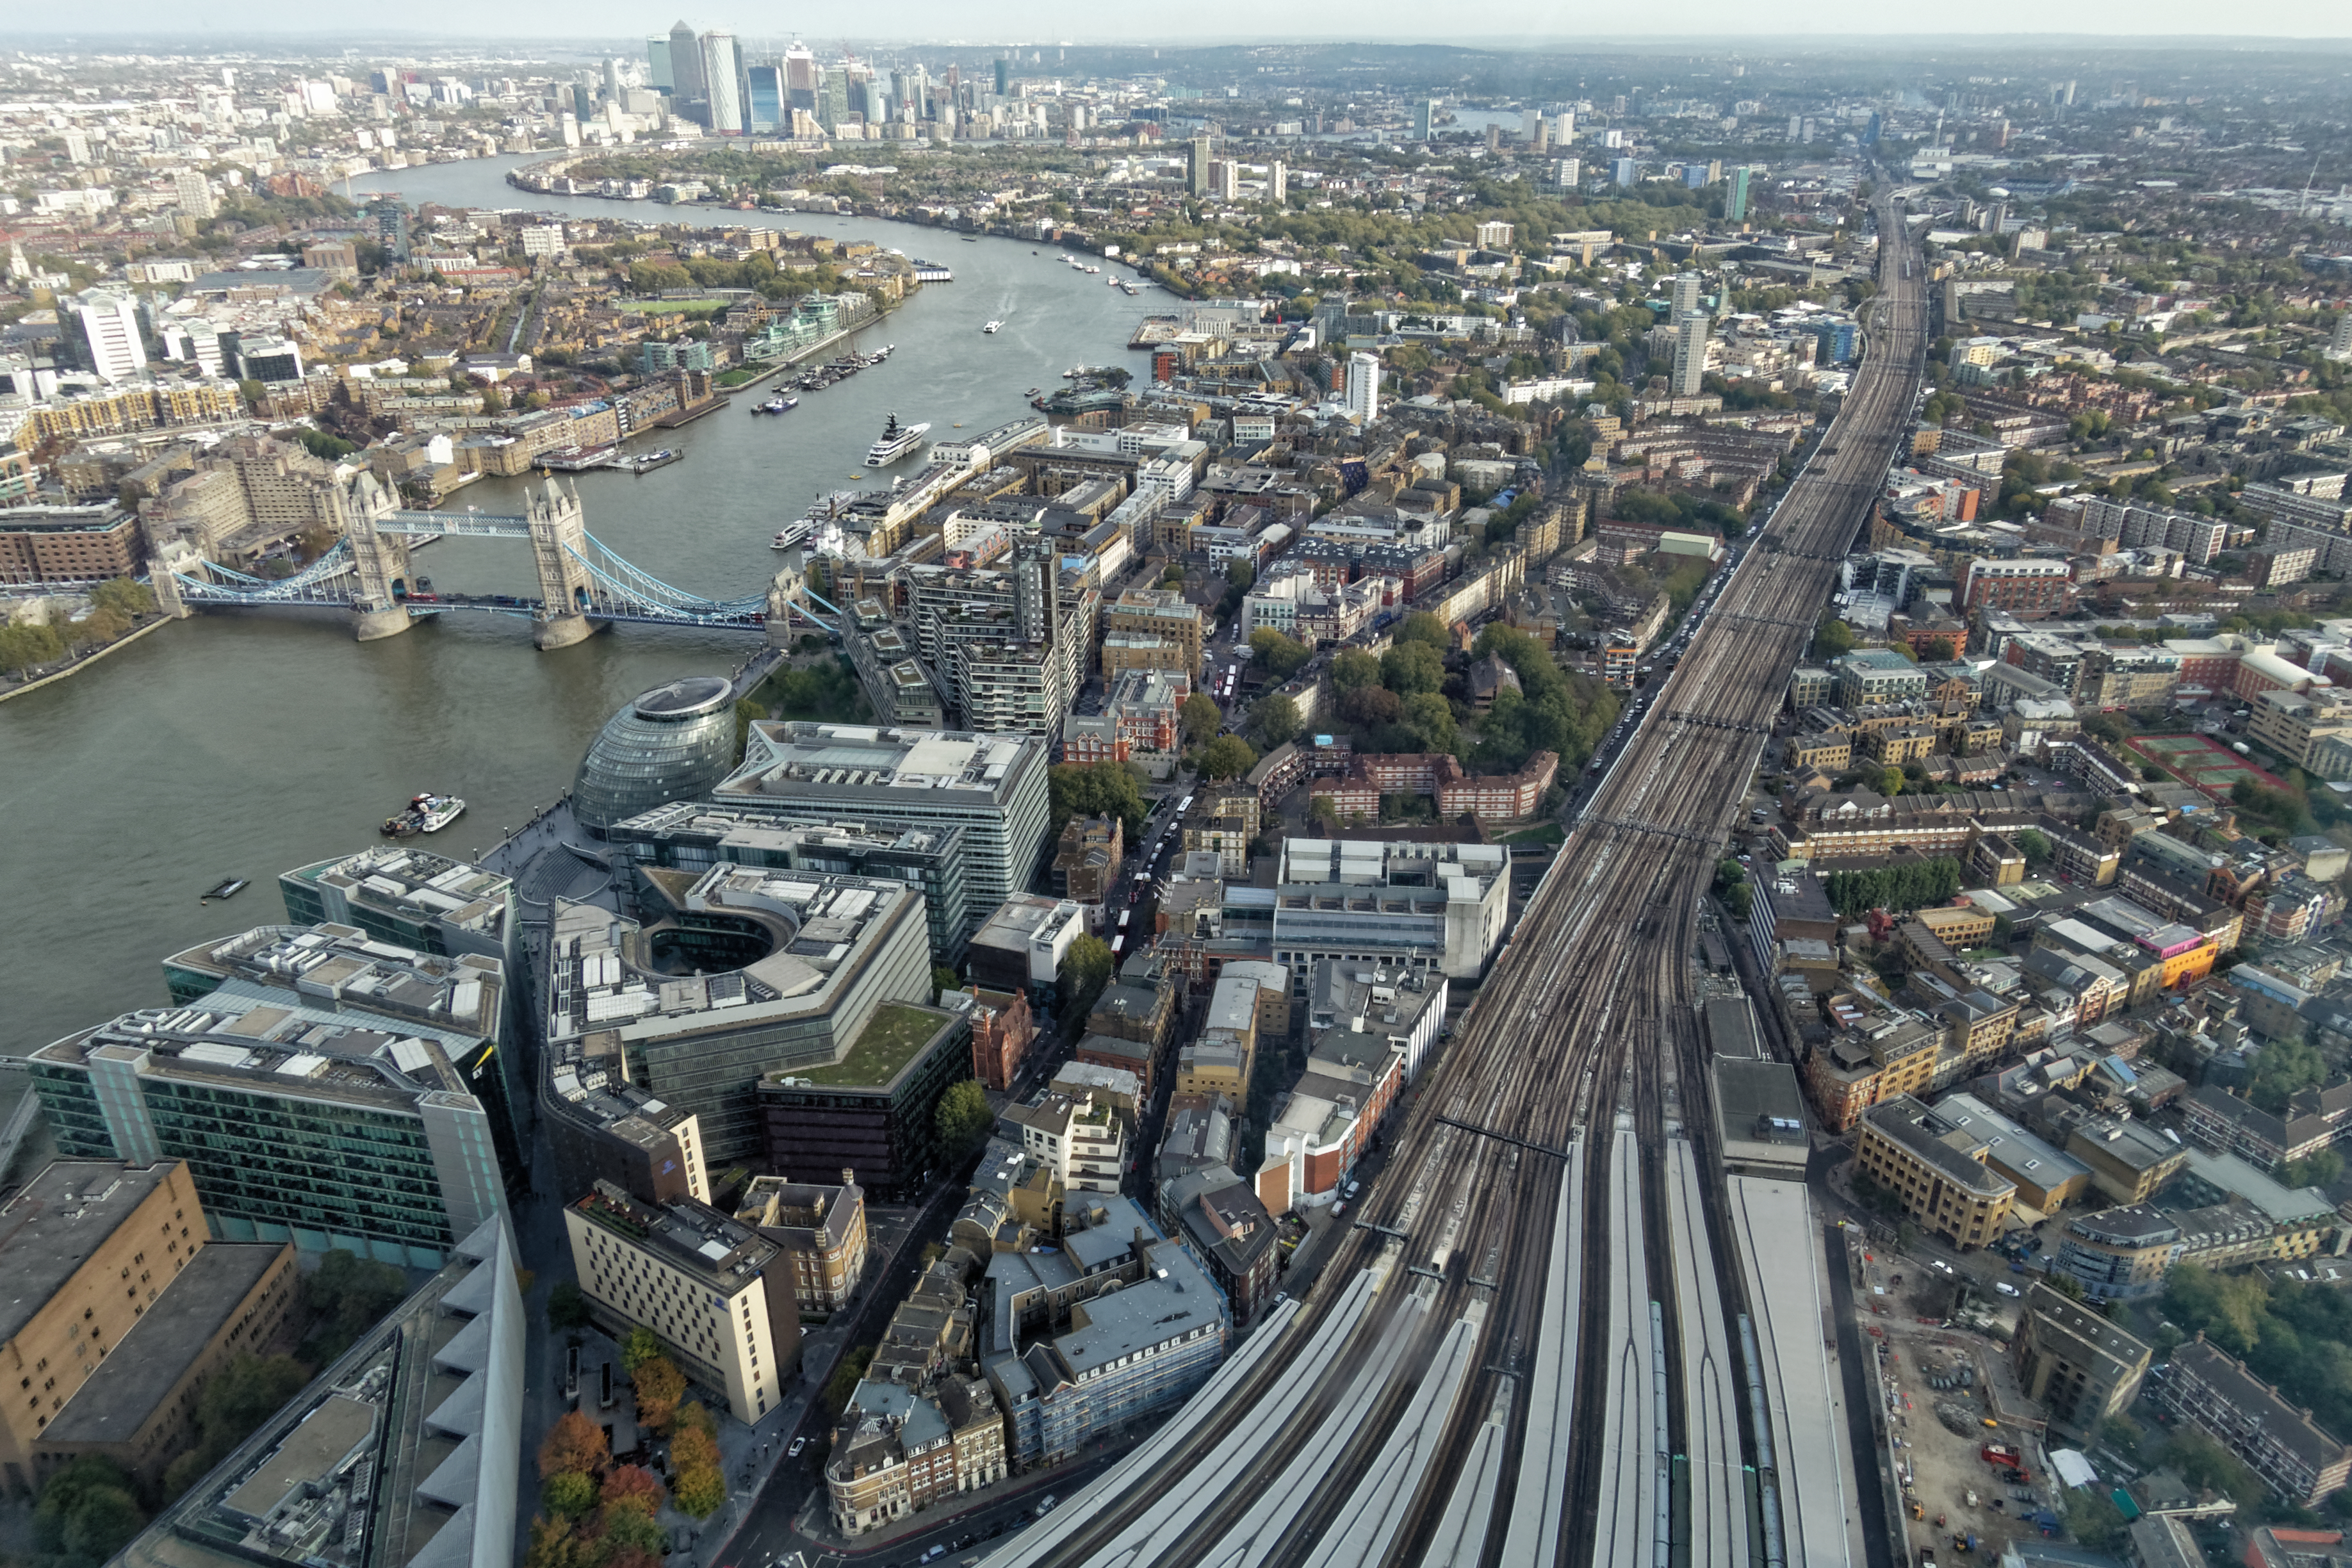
1279, 656
567, 1309
628, 1537
567, 1494
2202, 1462
2230, 1310
2317, 1170
87, 1511
1272, 719
234, 1404
943, 978
1411, 668
1200, 717
1240, 575
347, 1295
1084, 970
1353, 669
1428, 719
1094, 789
2093, 1519
25, 649
2034, 846
2286, 1066
1227, 757
700, 1486
553, 1544
125, 596
964, 1115
1831, 638
701, 1490
641, 1346
846, 1373
1420, 627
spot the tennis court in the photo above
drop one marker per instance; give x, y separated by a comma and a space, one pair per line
2198, 761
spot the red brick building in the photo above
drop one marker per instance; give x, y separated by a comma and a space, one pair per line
1001, 1028
68, 544
2026, 588
1490, 798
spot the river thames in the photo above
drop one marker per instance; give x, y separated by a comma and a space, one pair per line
234, 746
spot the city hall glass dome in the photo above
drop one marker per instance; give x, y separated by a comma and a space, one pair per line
675, 742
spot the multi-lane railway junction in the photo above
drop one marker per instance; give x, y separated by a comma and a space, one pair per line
1557, 1333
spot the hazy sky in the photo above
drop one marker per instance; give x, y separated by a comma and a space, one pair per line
1497, 21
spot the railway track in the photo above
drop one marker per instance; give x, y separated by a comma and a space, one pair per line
1436, 1378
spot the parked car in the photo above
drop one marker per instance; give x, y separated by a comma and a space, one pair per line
2005, 1288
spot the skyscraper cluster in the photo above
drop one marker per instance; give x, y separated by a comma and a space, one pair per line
713, 81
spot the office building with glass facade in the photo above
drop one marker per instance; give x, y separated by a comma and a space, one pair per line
693, 836
324, 1089
674, 742
726, 977
424, 902
991, 786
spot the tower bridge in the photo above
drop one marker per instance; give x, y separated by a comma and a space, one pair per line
584, 583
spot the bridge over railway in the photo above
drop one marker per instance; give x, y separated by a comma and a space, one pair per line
1557, 1333
584, 583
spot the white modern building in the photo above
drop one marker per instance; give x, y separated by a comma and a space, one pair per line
1363, 388
109, 324
990, 786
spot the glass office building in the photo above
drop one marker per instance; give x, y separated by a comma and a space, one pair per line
767, 97
326, 1090
675, 742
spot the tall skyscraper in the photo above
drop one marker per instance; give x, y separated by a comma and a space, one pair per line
391, 220
1690, 352
1003, 77
1624, 171
688, 94
1197, 170
799, 77
1685, 295
658, 71
194, 192
1735, 199
722, 83
1424, 119
1277, 183
108, 327
764, 102
1363, 388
